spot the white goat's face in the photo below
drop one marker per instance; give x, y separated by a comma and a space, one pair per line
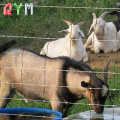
74, 31
98, 25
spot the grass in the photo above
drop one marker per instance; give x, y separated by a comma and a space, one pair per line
45, 23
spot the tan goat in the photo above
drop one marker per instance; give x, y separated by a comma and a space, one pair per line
60, 81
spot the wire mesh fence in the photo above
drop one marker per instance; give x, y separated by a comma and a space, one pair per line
34, 75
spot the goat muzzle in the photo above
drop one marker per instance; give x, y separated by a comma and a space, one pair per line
99, 109
73, 41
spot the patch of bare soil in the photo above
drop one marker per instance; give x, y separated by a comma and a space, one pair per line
100, 60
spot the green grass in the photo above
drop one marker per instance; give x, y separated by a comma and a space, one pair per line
45, 23
18, 102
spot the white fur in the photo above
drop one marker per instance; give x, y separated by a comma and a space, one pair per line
71, 45
105, 37
104, 91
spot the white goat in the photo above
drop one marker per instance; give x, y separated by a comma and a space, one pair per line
71, 45
105, 36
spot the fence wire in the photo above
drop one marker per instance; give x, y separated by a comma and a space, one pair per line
113, 74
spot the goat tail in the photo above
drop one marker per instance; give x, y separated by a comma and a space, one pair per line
7, 45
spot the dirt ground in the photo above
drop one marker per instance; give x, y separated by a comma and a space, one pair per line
100, 60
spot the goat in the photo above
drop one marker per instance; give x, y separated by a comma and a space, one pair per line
105, 36
71, 45
59, 80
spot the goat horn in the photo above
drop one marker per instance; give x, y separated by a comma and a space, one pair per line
106, 70
93, 24
92, 27
68, 22
81, 23
94, 16
103, 14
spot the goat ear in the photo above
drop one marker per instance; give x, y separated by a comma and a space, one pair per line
84, 84
63, 31
82, 34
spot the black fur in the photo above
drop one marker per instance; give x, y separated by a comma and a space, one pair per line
80, 66
75, 64
7, 45
116, 12
117, 25
84, 84
37, 53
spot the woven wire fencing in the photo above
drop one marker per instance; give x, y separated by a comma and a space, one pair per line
32, 32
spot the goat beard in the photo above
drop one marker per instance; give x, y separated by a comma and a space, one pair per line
74, 42
99, 36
